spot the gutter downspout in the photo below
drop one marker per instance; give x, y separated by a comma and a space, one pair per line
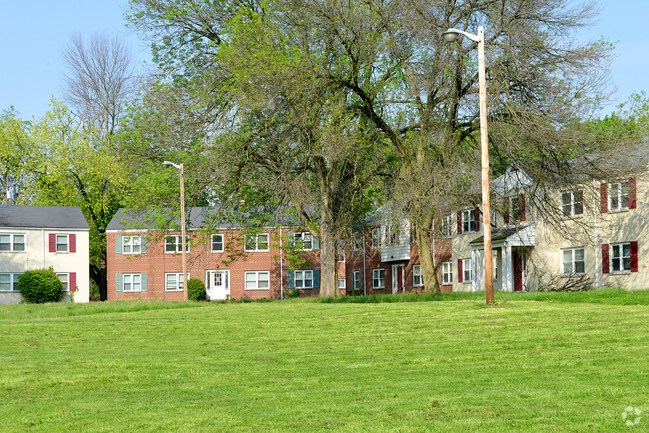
595, 229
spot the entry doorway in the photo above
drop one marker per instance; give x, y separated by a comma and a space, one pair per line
218, 285
519, 270
397, 279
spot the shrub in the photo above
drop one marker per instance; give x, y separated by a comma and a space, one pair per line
196, 290
293, 293
40, 286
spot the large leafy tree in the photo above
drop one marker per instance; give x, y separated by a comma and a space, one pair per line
68, 167
15, 149
305, 79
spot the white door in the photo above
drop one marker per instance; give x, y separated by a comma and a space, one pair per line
218, 285
397, 279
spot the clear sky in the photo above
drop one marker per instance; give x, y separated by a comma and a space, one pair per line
33, 32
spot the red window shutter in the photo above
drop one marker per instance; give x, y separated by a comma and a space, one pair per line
633, 249
460, 275
603, 197
605, 259
72, 239
521, 207
506, 213
52, 242
459, 222
477, 219
73, 281
632, 193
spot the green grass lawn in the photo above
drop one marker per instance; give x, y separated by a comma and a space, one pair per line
537, 362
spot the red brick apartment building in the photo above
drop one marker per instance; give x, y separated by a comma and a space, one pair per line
233, 264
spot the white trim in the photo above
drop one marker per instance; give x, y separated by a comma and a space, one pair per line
256, 280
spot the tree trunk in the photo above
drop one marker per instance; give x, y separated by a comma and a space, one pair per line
328, 259
426, 259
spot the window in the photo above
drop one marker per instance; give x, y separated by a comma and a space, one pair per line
494, 262
132, 282
378, 278
618, 196
468, 221
357, 280
303, 241
256, 242
621, 257
393, 234
340, 255
174, 281
303, 279
131, 244
572, 203
447, 273
257, 280
357, 241
341, 283
12, 242
217, 243
64, 278
446, 225
62, 243
573, 261
173, 244
417, 278
468, 270
376, 238
9, 282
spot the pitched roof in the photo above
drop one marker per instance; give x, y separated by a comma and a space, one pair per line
42, 217
196, 217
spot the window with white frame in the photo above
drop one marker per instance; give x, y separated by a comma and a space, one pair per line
64, 277
514, 211
447, 273
303, 279
173, 244
256, 242
357, 241
572, 261
9, 282
621, 257
468, 221
132, 282
340, 254
618, 196
446, 225
217, 243
393, 234
467, 269
376, 238
572, 203
342, 283
62, 243
303, 241
378, 278
131, 244
357, 280
12, 242
494, 261
174, 281
417, 278
257, 280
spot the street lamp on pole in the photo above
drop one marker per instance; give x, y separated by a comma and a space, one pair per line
451, 35
182, 220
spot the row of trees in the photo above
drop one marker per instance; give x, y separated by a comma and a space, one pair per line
331, 108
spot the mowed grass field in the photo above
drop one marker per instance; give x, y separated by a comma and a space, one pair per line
523, 365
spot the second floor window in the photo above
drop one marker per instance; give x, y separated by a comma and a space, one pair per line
131, 244
572, 203
468, 221
217, 243
618, 196
303, 241
256, 242
446, 225
376, 238
12, 242
173, 244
